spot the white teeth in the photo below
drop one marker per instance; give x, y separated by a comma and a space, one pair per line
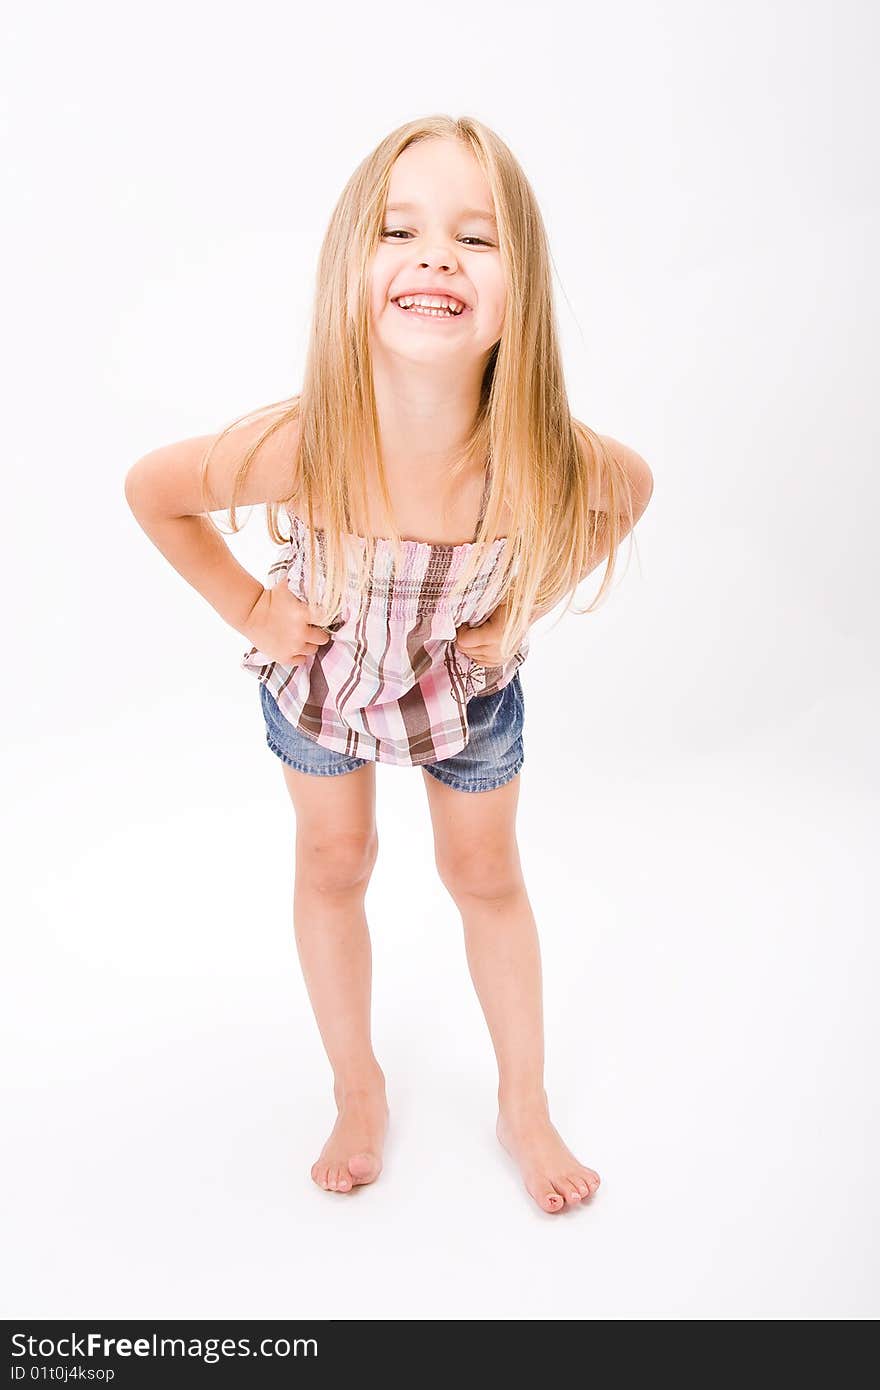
430, 313
426, 303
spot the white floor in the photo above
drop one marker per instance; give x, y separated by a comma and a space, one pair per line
710, 963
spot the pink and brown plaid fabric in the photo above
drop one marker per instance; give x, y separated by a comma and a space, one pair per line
391, 685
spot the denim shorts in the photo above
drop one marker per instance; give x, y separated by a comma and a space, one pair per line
492, 755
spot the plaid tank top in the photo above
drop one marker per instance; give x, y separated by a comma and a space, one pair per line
390, 685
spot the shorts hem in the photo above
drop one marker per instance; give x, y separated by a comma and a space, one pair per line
482, 784
350, 766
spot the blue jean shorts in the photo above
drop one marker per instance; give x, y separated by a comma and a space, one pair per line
492, 755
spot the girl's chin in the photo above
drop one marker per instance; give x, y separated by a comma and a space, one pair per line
424, 329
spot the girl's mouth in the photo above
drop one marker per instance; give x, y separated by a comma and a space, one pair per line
420, 312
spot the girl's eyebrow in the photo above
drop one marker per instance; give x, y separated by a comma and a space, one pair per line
465, 212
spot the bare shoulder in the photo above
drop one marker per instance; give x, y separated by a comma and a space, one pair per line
167, 481
641, 479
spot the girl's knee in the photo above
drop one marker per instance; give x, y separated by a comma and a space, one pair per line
336, 862
480, 874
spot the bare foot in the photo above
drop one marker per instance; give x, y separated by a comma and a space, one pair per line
353, 1153
551, 1173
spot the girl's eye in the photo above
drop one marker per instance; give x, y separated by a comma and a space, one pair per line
398, 231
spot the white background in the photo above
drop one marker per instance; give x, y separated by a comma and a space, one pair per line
695, 832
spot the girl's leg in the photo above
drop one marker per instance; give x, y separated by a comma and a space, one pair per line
336, 848
478, 861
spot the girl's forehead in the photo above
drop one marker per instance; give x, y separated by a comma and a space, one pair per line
438, 171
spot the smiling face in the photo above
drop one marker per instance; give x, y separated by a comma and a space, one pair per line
437, 239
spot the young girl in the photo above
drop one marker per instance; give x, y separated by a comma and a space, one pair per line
439, 498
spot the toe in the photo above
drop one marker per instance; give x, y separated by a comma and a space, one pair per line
364, 1167
545, 1194
582, 1185
569, 1191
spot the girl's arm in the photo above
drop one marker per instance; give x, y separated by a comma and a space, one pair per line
642, 483
641, 479
162, 489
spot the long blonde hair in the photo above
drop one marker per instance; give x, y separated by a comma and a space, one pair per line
549, 468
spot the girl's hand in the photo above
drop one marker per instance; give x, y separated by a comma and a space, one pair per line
483, 643
278, 624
